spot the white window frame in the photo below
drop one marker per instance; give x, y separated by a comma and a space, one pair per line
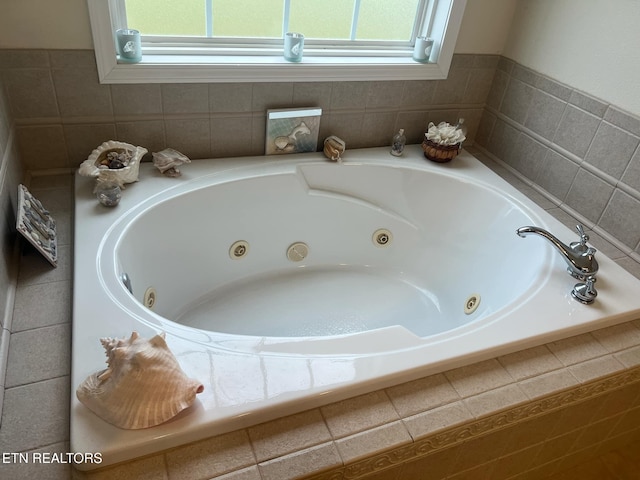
197, 63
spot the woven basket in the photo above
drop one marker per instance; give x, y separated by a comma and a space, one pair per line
440, 153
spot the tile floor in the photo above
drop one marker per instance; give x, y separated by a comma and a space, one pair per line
35, 416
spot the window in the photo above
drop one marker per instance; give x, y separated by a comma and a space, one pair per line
235, 41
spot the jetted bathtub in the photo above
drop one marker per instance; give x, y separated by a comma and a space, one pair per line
285, 283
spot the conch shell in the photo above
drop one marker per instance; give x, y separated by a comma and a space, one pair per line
143, 386
126, 156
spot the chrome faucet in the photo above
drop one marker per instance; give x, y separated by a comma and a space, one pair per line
580, 258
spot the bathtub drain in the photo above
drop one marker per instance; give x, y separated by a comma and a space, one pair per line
297, 251
472, 303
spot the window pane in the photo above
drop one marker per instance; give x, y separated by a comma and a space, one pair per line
171, 17
384, 20
329, 19
248, 18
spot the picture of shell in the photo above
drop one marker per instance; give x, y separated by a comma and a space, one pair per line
292, 130
143, 385
114, 161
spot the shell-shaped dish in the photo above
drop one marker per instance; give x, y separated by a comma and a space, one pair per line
168, 161
127, 157
143, 386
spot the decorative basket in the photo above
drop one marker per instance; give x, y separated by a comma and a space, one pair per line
440, 153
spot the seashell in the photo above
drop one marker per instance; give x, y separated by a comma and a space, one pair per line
334, 147
114, 161
168, 161
143, 385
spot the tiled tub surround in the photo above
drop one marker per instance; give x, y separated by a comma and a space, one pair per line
581, 151
62, 112
599, 411
520, 416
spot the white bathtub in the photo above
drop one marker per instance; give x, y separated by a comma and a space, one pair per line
270, 335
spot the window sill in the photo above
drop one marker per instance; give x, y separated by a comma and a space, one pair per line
198, 68
157, 67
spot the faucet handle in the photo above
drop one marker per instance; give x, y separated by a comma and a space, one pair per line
585, 292
581, 246
584, 238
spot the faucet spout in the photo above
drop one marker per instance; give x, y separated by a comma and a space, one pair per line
580, 258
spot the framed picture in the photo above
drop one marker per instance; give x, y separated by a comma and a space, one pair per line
292, 130
36, 225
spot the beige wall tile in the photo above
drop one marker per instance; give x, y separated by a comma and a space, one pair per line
229, 136
301, 463
191, 137
49, 355
55, 307
530, 362
42, 147
532, 431
593, 433
347, 126
230, 97
618, 337
515, 462
28, 422
480, 450
556, 448
421, 395
483, 471
359, 413
271, 95
619, 401
185, 98
376, 127
629, 357
495, 400
478, 377
211, 457
148, 134
36, 469
288, 434
140, 99
577, 349
82, 139
31, 93
548, 383
312, 94
373, 441
598, 367
576, 416
438, 419
150, 468
251, 473
34, 268
437, 465
80, 94
393, 473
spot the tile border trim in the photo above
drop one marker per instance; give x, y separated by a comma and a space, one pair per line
482, 426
